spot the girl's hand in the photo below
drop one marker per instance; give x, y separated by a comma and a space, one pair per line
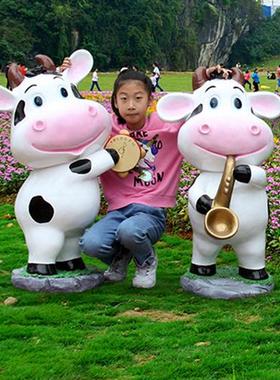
219, 70
65, 64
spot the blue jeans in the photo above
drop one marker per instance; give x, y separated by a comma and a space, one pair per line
135, 227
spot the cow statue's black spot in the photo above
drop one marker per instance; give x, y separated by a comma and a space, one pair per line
81, 166
19, 112
40, 210
76, 91
197, 110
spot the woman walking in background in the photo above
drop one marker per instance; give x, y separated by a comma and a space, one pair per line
156, 72
95, 81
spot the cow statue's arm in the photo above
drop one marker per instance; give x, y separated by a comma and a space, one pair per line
95, 164
202, 202
254, 175
198, 198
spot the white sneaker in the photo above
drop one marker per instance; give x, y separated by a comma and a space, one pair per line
117, 271
145, 275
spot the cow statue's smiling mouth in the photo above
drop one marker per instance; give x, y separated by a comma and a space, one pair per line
74, 149
231, 153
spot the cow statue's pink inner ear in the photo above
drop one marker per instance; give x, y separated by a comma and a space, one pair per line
7, 100
175, 107
265, 104
81, 64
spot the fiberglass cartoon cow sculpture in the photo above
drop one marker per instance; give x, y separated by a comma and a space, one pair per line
60, 136
224, 138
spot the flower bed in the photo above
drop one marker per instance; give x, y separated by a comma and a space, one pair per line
12, 174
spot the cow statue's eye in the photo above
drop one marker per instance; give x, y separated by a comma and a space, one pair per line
213, 102
38, 101
237, 103
64, 92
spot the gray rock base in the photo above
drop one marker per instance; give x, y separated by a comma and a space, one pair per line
63, 282
225, 284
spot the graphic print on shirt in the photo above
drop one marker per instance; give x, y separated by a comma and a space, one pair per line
145, 171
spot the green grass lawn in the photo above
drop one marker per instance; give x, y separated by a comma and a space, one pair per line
170, 81
118, 332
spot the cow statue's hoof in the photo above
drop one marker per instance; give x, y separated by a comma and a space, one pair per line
43, 269
63, 282
71, 265
225, 284
251, 274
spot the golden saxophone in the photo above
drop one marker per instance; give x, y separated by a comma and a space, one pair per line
220, 221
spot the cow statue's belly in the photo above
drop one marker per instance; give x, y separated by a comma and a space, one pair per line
249, 203
75, 203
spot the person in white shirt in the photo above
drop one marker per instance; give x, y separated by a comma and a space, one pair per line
95, 81
154, 81
156, 72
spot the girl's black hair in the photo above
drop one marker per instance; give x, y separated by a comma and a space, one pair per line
123, 77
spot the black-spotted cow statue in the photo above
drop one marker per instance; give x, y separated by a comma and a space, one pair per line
60, 136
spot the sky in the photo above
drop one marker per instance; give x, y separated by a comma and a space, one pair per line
270, 2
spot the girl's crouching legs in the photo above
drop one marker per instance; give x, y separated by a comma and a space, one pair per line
94, 245
138, 234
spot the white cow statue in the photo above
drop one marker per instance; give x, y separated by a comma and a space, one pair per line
60, 136
223, 124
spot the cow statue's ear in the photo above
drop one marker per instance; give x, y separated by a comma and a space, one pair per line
7, 100
265, 104
175, 106
81, 64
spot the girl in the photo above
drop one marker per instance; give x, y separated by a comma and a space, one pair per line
137, 203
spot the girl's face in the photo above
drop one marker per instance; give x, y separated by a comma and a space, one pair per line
132, 101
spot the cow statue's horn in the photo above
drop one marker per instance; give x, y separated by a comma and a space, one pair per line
199, 77
237, 75
45, 61
15, 77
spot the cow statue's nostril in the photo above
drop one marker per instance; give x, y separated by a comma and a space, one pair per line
255, 130
92, 110
39, 126
204, 129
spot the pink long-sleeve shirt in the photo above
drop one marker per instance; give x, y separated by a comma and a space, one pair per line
154, 181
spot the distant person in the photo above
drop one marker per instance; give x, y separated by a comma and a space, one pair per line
270, 75
238, 65
154, 81
256, 80
156, 72
95, 81
277, 79
247, 77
